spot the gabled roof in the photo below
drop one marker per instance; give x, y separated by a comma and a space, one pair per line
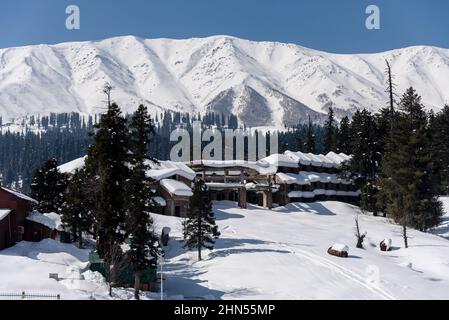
167, 169
19, 195
176, 187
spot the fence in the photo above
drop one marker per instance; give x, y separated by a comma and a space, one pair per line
29, 296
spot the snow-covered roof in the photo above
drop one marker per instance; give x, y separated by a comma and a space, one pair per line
301, 194
224, 185
51, 220
304, 178
19, 195
261, 166
299, 157
318, 192
292, 178
282, 160
158, 171
159, 201
4, 213
340, 247
167, 169
324, 177
72, 166
176, 187
293, 159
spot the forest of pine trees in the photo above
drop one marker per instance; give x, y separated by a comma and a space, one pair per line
66, 137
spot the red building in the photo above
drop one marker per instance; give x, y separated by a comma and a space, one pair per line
14, 209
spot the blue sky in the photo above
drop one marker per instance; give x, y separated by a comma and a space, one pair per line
330, 25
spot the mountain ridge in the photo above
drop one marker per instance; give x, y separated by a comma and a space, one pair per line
263, 83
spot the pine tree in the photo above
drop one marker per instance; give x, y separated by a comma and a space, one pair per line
108, 162
309, 146
406, 185
439, 149
364, 166
344, 136
48, 187
77, 210
200, 229
330, 132
143, 241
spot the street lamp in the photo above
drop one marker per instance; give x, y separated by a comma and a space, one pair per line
160, 260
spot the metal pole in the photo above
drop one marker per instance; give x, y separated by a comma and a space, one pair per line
162, 280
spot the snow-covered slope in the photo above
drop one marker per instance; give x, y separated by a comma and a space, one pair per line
282, 254
264, 83
261, 254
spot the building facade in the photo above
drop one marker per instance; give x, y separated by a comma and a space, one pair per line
14, 209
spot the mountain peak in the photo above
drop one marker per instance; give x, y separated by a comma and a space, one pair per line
263, 83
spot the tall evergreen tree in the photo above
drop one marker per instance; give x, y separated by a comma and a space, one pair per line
48, 187
330, 132
200, 229
439, 149
344, 136
406, 185
108, 162
364, 164
143, 241
309, 145
77, 211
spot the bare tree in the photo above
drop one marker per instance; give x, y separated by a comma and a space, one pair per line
115, 263
360, 237
390, 90
107, 89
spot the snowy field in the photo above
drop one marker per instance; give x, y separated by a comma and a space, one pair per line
262, 254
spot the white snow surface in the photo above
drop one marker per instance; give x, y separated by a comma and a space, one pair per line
261, 254
282, 254
263, 83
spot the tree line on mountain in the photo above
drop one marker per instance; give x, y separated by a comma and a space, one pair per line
65, 137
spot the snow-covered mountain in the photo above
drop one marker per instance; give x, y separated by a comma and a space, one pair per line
264, 83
